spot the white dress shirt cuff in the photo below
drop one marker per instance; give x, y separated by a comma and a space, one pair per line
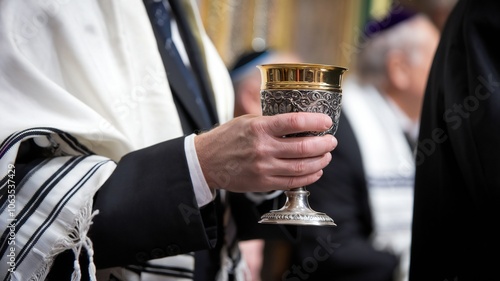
203, 193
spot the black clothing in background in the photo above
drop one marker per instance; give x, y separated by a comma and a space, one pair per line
344, 252
457, 189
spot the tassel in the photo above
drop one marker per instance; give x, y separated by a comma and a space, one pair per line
76, 239
90, 253
77, 273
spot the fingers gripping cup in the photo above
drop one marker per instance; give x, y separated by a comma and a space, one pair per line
301, 87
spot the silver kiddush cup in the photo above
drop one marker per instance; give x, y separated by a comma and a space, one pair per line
301, 87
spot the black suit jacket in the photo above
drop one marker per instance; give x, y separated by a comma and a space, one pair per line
147, 210
322, 253
457, 188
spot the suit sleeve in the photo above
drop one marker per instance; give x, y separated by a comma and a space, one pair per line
147, 209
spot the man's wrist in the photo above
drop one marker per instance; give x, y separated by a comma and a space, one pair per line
203, 193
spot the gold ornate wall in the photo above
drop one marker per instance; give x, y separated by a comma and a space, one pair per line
319, 31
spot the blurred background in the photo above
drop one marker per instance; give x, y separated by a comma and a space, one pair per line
319, 31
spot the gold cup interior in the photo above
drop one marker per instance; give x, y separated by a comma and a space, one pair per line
301, 76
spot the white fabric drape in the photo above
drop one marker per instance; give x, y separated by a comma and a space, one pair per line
90, 69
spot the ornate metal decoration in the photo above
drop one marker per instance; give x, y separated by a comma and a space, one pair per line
285, 101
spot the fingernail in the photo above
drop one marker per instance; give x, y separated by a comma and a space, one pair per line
328, 122
334, 141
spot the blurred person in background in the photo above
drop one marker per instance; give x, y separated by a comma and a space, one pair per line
383, 101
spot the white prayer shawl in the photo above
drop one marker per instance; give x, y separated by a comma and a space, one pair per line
388, 164
92, 70
50, 211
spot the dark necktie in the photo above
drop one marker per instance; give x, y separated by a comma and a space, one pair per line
184, 82
181, 78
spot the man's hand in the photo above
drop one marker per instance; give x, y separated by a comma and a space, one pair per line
250, 153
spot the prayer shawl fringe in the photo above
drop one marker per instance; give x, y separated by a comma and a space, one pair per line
49, 211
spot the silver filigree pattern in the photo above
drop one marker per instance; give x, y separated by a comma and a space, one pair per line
296, 217
285, 101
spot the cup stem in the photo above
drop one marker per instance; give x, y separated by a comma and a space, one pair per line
297, 211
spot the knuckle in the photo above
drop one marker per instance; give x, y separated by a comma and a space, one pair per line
291, 183
255, 126
268, 183
259, 168
303, 147
294, 120
260, 150
299, 167
278, 124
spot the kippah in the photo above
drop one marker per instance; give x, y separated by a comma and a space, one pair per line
246, 61
396, 15
246, 58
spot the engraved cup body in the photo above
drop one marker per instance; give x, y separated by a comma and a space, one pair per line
301, 87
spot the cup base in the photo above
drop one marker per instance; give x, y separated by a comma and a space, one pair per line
301, 217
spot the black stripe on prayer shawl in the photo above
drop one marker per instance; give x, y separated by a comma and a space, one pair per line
43, 131
3, 200
46, 187
3, 188
166, 267
40, 195
19, 186
10, 141
58, 208
19, 136
169, 271
74, 143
